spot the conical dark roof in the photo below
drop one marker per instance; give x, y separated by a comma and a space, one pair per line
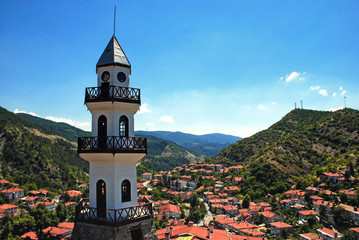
113, 55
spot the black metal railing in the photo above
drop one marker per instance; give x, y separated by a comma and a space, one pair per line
112, 145
113, 93
84, 213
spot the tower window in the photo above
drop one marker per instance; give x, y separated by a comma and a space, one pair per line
123, 126
102, 131
126, 191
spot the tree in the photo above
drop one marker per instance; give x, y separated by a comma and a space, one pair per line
348, 235
61, 212
42, 217
246, 201
341, 216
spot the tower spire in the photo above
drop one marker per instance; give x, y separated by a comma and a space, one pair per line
114, 22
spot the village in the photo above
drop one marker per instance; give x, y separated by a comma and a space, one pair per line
176, 195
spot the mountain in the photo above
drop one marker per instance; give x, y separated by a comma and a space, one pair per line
32, 154
207, 144
166, 155
162, 154
61, 129
302, 144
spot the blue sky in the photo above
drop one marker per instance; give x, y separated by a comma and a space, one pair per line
233, 67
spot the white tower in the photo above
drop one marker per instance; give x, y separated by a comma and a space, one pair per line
112, 152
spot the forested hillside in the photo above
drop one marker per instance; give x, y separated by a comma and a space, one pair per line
35, 156
165, 155
207, 144
301, 144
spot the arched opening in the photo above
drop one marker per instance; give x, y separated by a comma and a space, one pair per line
123, 126
126, 191
101, 198
102, 131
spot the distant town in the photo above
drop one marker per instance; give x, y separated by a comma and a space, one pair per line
202, 200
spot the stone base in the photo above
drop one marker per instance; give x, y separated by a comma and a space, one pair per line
139, 230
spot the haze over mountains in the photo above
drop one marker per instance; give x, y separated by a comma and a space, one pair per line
208, 144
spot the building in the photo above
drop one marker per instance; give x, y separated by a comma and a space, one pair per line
8, 209
309, 236
112, 210
170, 211
12, 194
303, 215
328, 234
277, 228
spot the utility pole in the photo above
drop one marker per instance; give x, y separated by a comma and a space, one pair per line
301, 104
345, 102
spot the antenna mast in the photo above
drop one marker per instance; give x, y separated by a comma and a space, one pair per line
114, 22
345, 102
301, 104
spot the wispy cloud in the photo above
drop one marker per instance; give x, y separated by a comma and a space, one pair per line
150, 124
323, 92
82, 125
144, 109
262, 107
335, 109
294, 76
343, 92
167, 119
314, 88
16, 111
334, 94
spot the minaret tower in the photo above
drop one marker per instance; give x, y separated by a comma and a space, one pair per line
112, 211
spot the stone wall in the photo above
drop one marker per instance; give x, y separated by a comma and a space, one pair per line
90, 231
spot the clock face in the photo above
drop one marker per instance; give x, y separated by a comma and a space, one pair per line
121, 77
105, 76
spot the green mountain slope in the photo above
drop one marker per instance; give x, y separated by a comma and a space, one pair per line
61, 129
301, 144
32, 153
165, 155
162, 154
207, 144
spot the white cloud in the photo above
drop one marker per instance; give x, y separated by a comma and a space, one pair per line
340, 88
167, 119
343, 92
292, 76
262, 107
335, 109
334, 94
144, 109
16, 111
150, 124
82, 125
314, 87
281, 78
323, 92
274, 103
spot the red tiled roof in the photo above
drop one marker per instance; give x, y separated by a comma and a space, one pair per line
7, 206
327, 231
56, 230
4, 181
243, 225
307, 212
31, 235
74, 193
224, 220
12, 190
281, 225
267, 214
68, 225
355, 229
169, 208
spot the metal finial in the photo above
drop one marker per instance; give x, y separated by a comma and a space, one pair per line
114, 22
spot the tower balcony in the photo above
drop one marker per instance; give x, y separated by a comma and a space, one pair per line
113, 93
85, 213
112, 144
